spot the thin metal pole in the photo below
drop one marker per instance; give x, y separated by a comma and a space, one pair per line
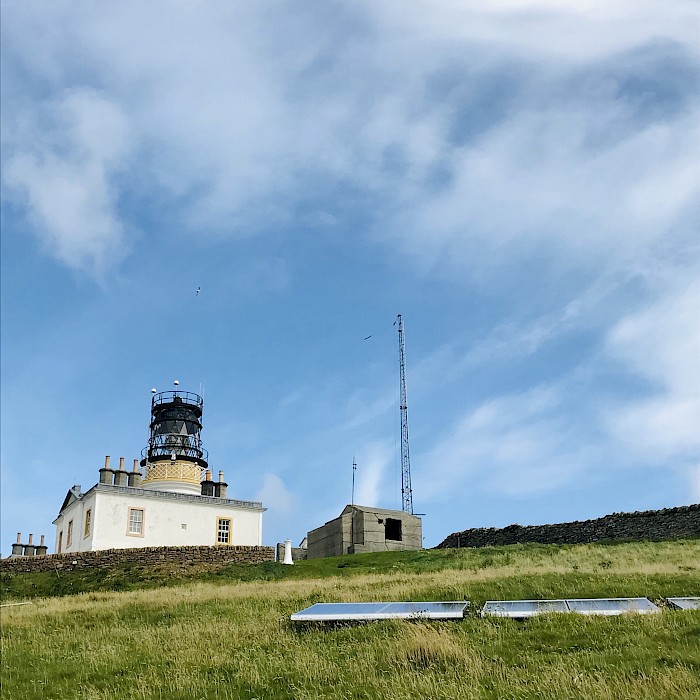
354, 469
406, 491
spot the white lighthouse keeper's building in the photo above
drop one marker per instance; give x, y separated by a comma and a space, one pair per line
169, 499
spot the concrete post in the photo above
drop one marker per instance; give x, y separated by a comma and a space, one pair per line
288, 552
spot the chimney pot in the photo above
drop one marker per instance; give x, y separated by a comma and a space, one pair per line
31, 537
136, 465
19, 538
106, 461
121, 464
42, 541
207, 475
221, 477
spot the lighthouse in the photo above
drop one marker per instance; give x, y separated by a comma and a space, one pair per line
167, 499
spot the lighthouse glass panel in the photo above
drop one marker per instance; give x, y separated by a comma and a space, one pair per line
223, 531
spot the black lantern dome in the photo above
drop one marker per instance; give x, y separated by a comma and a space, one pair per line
175, 430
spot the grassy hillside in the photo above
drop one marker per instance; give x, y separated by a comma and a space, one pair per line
226, 634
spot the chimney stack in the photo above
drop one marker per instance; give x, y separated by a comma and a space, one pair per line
135, 475
41, 548
18, 548
121, 478
106, 473
207, 484
220, 487
29, 548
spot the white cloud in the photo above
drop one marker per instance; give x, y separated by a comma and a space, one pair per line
274, 495
371, 475
694, 492
63, 169
661, 345
241, 118
516, 445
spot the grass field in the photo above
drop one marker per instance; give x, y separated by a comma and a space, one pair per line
187, 634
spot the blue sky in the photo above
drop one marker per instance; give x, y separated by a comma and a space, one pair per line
519, 180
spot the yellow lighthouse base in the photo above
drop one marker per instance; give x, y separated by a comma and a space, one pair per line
178, 476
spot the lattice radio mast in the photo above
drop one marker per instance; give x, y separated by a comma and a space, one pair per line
406, 492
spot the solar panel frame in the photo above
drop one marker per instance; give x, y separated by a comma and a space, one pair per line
685, 603
611, 606
339, 612
522, 609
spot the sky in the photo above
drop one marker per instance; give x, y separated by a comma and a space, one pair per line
519, 180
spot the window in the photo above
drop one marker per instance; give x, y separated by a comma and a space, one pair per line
69, 535
135, 522
60, 542
392, 529
88, 520
223, 530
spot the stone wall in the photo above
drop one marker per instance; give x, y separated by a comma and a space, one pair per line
298, 553
105, 558
667, 524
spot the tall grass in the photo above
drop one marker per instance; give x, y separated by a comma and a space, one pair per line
228, 638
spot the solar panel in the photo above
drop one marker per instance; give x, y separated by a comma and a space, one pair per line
611, 606
521, 609
685, 603
381, 611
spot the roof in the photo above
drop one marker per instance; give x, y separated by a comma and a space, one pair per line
378, 511
74, 494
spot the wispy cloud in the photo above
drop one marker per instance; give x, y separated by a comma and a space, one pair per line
660, 344
64, 167
515, 445
373, 473
466, 136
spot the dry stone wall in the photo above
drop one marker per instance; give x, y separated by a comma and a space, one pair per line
667, 524
106, 558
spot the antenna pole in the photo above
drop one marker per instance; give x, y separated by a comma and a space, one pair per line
406, 492
354, 469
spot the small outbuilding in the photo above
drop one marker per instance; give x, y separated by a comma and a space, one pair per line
364, 529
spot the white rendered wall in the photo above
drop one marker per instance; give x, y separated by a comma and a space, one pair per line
163, 521
76, 512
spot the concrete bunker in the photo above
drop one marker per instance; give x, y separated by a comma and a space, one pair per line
361, 529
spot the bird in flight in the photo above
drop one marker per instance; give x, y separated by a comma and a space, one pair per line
368, 337
197, 292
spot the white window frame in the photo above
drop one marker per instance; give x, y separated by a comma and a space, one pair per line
227, 531
142, 522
